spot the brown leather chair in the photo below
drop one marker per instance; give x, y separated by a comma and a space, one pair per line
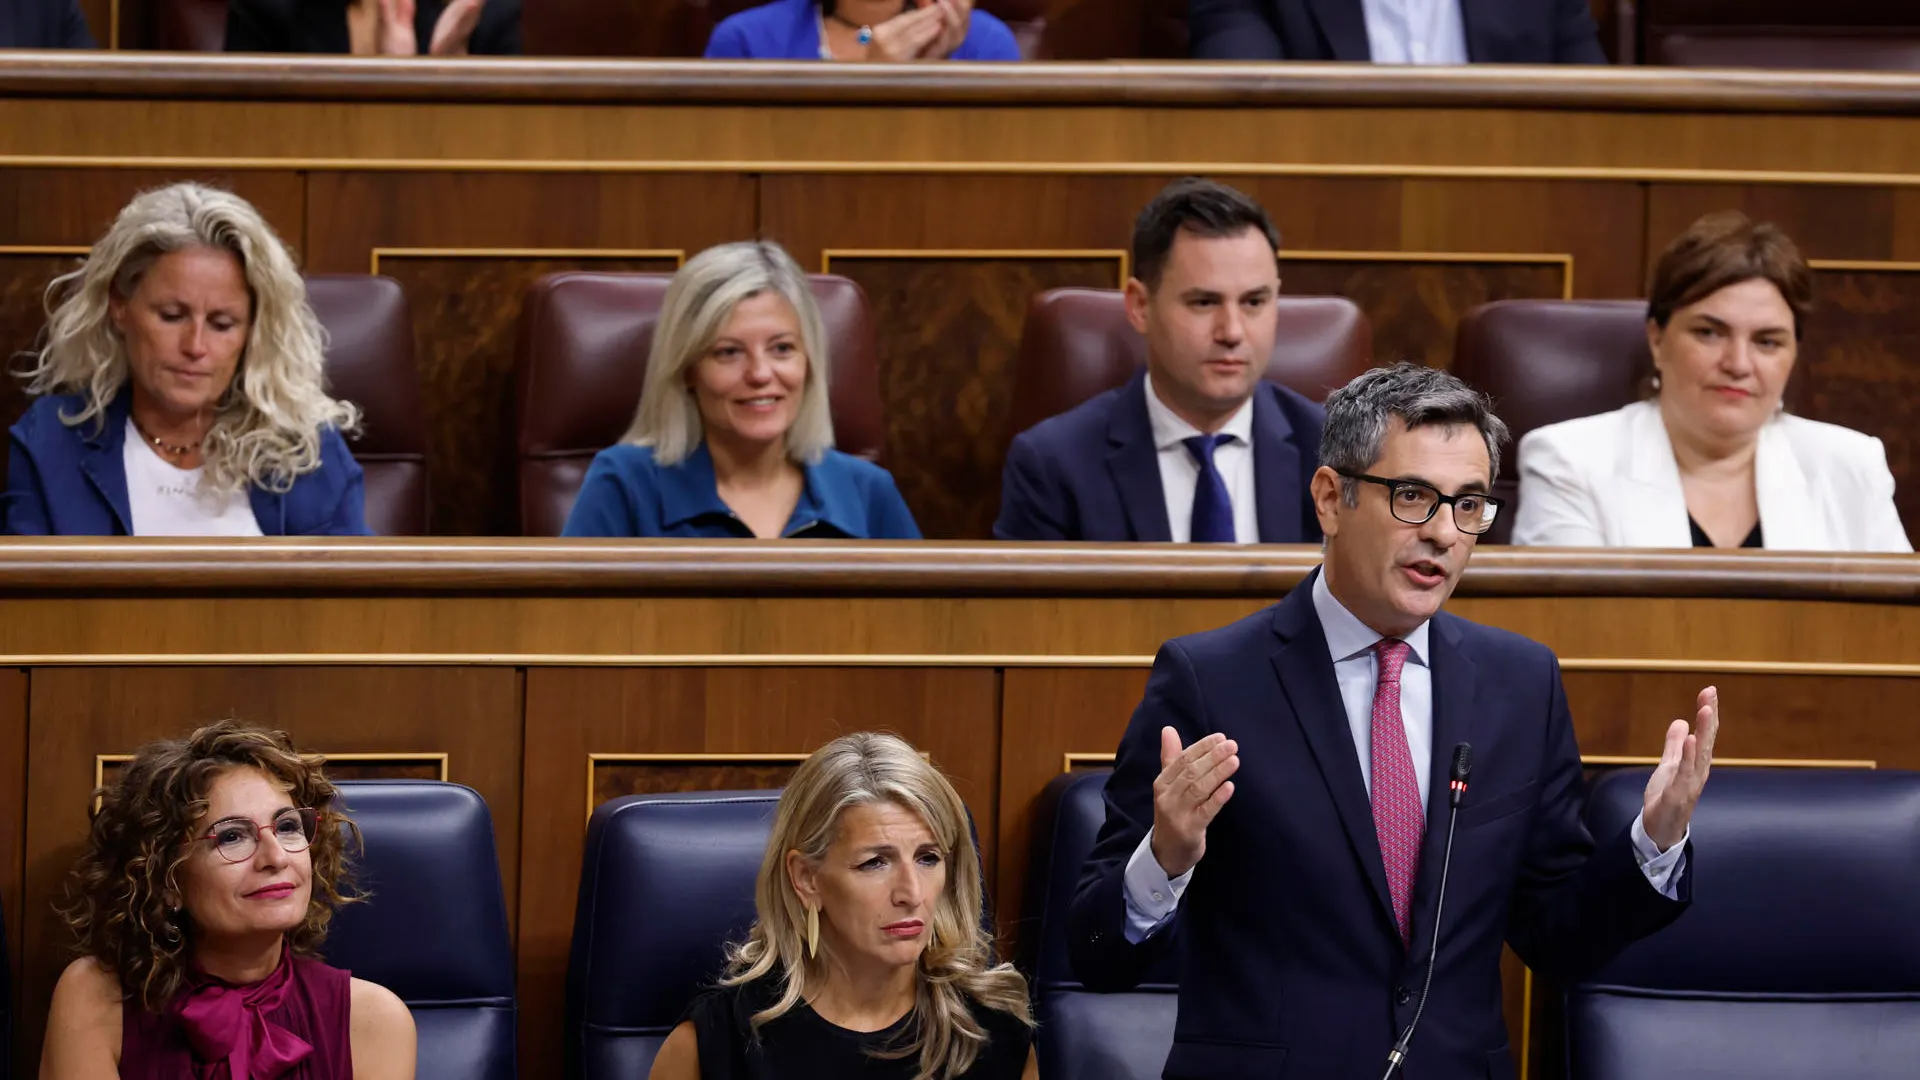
190, 25
1077, 343
583, 350
370, 363
1544, 361
1841, 34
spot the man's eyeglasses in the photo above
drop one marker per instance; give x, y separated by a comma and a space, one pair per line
1415, 503
237, 838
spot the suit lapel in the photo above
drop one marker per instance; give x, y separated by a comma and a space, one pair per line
1790, 519
104, 462
1455, 720
1134, 464
1344, 24
1305, 671
1651, 507
1276, 465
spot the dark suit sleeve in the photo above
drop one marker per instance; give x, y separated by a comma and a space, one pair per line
1031, 502
1103, 958
1234, 30
1576, 40
1576, 905
25, 504
499, 31
260, 26
73, 27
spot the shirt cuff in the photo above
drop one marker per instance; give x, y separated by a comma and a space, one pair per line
1151, 895
1662, 868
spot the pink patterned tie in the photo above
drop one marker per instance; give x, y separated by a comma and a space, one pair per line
1397, 816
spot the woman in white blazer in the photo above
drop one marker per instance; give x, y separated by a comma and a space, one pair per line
1710, 459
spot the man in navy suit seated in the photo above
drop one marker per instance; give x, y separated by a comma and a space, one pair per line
1197, 446
1278, 810
1396, 31
43, 24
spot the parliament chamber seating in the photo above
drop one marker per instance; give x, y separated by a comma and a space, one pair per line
1077, 344
1859, 35
433, 928
1085, 1035
666, 881
1544, 361
189, 25
370, 363
585, 339
1800, 956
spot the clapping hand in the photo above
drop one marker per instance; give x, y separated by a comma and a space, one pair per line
906, 36
1675, 786
1193, 785
956, 16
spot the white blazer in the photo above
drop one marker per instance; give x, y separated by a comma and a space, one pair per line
1611, 481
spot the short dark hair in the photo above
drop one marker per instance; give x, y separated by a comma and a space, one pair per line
1202, 207
1723, 249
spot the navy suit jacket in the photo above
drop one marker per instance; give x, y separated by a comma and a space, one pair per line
43, 24
71, 480
1092, 473
1290, 963
1498, 31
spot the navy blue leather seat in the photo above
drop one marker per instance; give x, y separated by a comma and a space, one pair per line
434, 929
1800, 956
1085, 1035
667, 880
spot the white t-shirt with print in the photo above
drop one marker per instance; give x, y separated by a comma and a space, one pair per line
166, 499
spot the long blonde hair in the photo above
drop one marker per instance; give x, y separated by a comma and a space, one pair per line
957, 965
266, 430
698, 303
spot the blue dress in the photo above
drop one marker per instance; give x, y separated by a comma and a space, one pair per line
790, 30
627, 493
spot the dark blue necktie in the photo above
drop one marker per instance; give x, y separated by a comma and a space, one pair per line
1212, 509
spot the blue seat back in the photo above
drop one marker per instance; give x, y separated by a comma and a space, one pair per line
1085, 1035
1800, 955
434, 930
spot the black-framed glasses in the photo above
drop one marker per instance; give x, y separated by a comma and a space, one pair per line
236, 839
1415, 503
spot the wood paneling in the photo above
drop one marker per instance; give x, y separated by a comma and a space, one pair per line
471, 714
948, 330
1859, 367
947, 712
75, 205
617, 779
13, 834
1415, 306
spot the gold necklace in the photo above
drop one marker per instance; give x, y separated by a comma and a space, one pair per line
167, 448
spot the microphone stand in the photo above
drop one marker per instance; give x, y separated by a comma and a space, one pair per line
1457, 787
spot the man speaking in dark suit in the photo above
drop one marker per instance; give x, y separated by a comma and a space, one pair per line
1198, 446
1278, 808
1396, 31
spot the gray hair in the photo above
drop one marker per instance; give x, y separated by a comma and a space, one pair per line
1420, 396
698, 304
267, 429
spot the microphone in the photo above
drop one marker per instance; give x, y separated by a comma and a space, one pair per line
1457, 778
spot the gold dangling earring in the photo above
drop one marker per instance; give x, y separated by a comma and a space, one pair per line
813, 931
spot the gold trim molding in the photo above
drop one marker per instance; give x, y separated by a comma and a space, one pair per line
678, 255
1563, 260
1119, 255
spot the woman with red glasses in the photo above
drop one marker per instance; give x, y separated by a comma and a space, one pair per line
216, 863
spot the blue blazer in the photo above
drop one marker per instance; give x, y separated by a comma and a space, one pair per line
1498, 31
1092, 473
627, 494
790, 30
43, 24
1289, 960
72, 480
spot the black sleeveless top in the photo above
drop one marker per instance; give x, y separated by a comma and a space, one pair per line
802, 1046
1755, 539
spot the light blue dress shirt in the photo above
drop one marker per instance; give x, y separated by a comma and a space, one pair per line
1415, 32
1151, 896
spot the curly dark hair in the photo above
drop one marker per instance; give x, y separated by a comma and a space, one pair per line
118, 894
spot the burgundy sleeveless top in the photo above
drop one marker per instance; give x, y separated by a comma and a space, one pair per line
291, 1025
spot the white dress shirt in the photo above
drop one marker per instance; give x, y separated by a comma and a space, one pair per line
1415, 31
1180, 473
166, 501
1152, 897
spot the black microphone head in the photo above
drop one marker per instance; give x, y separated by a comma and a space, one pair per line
1462, 763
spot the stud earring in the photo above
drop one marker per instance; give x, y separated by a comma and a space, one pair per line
1656, 382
